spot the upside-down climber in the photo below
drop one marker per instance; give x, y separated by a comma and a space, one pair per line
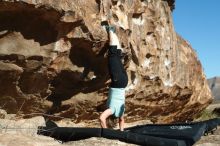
119, 80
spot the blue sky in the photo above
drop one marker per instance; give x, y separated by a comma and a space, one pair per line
198, 22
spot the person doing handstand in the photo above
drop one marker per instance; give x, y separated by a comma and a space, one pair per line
119, 80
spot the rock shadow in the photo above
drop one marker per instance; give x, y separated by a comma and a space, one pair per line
92, 78
43, 25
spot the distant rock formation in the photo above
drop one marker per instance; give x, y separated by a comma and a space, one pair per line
214, 84
52, 60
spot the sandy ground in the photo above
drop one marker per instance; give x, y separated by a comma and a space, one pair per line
28, 136
37, 140
210, 140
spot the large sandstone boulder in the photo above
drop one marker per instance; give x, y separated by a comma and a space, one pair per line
52, 59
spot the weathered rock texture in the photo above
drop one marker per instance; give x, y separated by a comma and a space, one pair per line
52, 59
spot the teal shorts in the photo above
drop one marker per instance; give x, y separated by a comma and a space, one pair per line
116, 101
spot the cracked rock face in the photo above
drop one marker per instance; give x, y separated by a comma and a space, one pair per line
53, 60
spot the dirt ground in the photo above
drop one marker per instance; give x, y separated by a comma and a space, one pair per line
30, 138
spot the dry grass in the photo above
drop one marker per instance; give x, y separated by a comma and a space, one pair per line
206, 115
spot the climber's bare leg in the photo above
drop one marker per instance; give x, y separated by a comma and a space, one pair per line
113, 38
